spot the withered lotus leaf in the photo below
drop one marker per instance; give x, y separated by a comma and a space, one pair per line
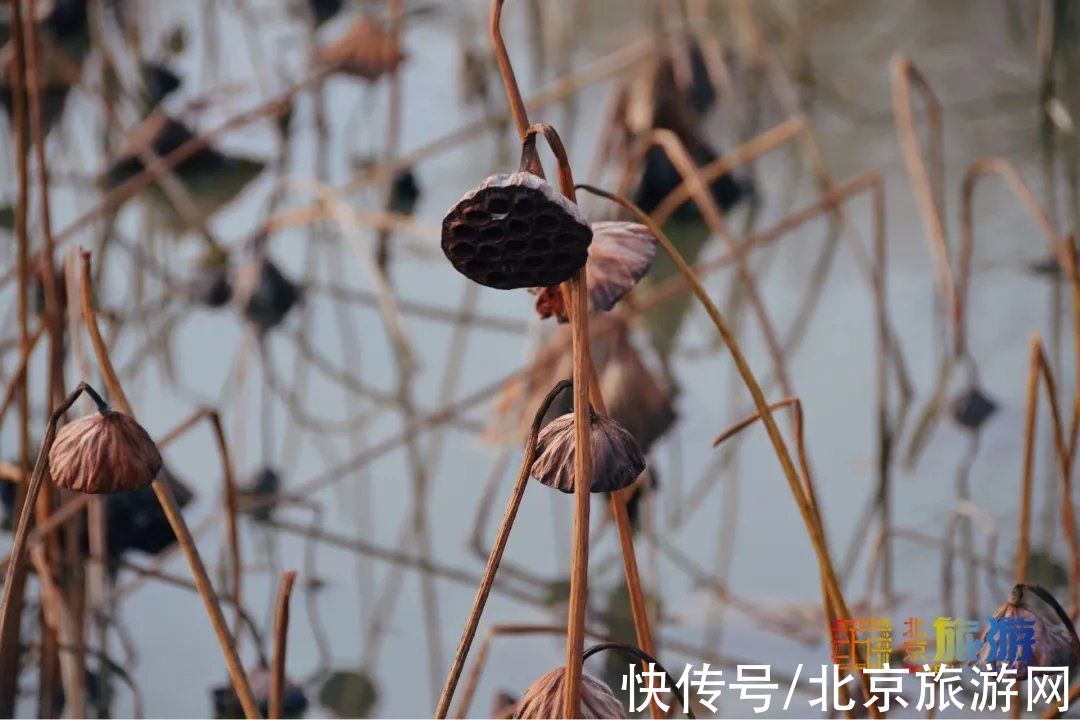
620, 255
366, 50
516, 231
104, 452
616, 457
544, 698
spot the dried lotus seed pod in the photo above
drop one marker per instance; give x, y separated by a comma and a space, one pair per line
516, 231
544, 698
616, 458
105, 452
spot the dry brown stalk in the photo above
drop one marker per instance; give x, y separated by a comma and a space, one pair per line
495, 556
281, 636
833, 592
583, 368
172, 512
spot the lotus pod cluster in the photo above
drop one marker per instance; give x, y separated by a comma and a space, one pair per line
105, 452
616, 458
516, 231
544, 698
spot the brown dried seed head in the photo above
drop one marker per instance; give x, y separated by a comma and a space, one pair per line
1055, 641
516, 231
620, 255
616, 458
105, 452
544, 698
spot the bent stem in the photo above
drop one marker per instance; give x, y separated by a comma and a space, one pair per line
495, 556
281, 636
22, 530
172, 512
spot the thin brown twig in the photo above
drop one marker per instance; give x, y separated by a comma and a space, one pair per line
281, 636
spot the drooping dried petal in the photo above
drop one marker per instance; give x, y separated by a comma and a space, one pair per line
366, 50
544, 698
516, 231
620, 255
1053, 641
616, 458
264, 293
105, 452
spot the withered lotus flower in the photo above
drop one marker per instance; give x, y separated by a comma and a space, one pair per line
366, 50
1055, 643
105, 452
620, 255
544, 698
516, 231
616, 458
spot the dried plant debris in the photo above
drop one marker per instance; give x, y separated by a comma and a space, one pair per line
1052, 641
516, 231
213, 178
616, 458
544, 698
619, 256
263, 292
209, 283
135, 520
972, 408
259, 495
104, 452
227, 704
366, 50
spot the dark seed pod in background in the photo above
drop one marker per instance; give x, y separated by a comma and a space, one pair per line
503, 706
620, 255
135, 520
1055, 641
544, 698
616, 458
323, 10
265, 295
160, 82
37, 267
265, 484
404, 192
516, 231
972, 408
104, 452
227, 705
